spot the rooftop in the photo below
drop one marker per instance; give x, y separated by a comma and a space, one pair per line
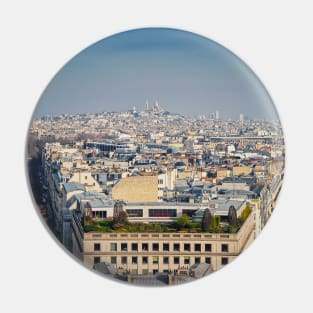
72, 186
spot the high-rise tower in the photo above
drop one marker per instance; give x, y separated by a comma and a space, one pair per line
217, 115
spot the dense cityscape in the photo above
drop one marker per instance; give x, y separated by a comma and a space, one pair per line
153, 197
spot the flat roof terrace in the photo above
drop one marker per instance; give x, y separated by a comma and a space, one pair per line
245, 229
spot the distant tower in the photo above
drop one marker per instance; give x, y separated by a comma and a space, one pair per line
241, 118
217, 115
147, 105
134, 109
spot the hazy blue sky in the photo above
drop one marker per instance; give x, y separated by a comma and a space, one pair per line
186, 73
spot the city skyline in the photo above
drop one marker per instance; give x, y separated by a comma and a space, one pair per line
153, 198
160, 157
207, 115
185, 72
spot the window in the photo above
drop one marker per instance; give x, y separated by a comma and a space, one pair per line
208, 247
176, 259
134, 212
155, 247
197, 260
144, 260
208, 260
197, 247
145, 247
165, 260
134, 246
100, 214
113, 259
124, 246
113, 246
176, 246
134, 260
124, 260
86, 177
224, 248
186, 260
155, 260
186, 246
224, 219
162, 213
96, 260
166, 247
96, 247
224, 261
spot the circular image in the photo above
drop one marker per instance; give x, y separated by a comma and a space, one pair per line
155, 156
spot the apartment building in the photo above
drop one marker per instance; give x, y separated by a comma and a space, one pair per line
85, 178
143, 253
241, 170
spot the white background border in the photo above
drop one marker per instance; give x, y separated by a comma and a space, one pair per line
273, 37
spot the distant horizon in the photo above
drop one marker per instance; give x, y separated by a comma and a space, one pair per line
187, 73
207, 115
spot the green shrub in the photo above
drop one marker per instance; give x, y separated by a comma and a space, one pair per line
105, 223
183, 221
89, 228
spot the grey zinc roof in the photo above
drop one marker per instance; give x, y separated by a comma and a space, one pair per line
72, 186
104, 268
90, 195
237, 192
163, 204
85, 196
95, 199
100, 203
202, 269
224, 204
221, 206
240, 179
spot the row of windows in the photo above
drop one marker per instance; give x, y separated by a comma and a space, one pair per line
156, 247
162, 213
156, 260
134, 212
100, 214
158, 212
